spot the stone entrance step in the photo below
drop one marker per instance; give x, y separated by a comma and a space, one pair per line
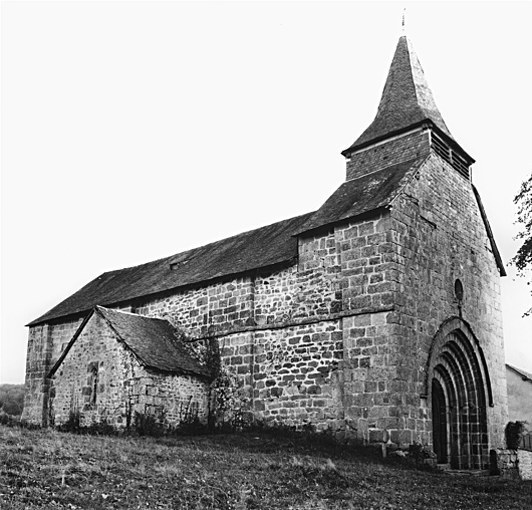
446, 468
470, 472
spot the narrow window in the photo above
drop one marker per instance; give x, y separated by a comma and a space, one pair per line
459, 294
93, 383
459, 291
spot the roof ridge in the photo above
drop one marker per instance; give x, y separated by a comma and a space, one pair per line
169, 257
410, 49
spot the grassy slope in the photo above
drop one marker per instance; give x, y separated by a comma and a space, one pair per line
48, 469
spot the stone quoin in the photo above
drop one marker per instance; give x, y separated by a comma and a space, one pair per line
376, 316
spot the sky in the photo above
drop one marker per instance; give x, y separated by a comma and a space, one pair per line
135, 130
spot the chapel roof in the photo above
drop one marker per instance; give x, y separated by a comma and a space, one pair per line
268, 246
153, 341
406, 100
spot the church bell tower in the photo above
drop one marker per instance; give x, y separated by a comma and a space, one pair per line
438, 355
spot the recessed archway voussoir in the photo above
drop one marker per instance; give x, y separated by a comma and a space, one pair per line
467, 371
457, 377
464, 332
442, 375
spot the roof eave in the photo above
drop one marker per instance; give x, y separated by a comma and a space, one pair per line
372, 141
179, 372
424, 123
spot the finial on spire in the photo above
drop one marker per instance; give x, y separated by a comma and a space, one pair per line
403, 21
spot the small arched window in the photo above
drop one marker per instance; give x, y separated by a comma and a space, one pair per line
459, 291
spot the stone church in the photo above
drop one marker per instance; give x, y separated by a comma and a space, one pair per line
376, 316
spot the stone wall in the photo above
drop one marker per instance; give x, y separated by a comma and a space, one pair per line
369, 286
306, 291
177, 399
440, 237
367, 265
45, 344
291, 375
96, 349
220, 305
373, 391
514, 464
121, 388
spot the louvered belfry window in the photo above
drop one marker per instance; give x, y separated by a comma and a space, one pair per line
451, 156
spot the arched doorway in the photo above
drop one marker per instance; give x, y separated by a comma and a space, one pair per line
459, 391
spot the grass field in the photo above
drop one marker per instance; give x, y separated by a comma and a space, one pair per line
49, 469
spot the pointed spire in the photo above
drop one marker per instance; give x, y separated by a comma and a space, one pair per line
406, 99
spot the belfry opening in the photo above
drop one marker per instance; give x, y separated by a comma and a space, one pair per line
460, 393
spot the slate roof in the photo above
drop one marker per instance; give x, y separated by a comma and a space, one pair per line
362, 195
153, 341
406, 100
255, 249
526, 376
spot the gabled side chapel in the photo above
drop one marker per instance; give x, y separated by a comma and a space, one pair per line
378, 314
